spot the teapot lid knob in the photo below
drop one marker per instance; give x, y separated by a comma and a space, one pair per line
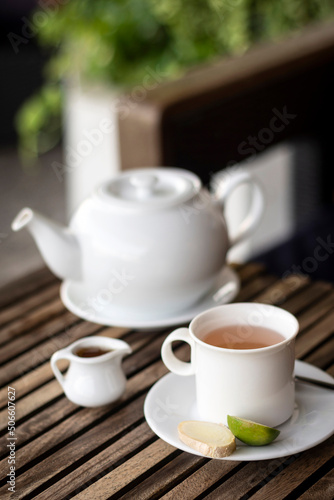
150, 188
144, 184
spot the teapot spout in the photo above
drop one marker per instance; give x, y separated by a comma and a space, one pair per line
58, 245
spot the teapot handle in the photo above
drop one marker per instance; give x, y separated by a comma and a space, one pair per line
62, 354
252, 219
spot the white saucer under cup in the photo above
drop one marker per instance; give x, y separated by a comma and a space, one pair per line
172, 399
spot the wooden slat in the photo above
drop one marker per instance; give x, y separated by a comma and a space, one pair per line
318, 333
201, 480
173, 472
32, 320
95, 468
45, 394
42, 422
77, 448
253, 288
322, 356
282, 289
129, 359
322, 489
29, 382
269, 290
58, 316
311, 304
24, 286
101, 452
69, 330
19, 308
30, 403
52, 389
297, 472
128, 472
315, 311
83, 417
247, 272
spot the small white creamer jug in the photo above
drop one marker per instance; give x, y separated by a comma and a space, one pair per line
95, 376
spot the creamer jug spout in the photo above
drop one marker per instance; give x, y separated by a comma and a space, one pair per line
122, 350
58, 245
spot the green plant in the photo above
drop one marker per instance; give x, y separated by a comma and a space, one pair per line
114, 41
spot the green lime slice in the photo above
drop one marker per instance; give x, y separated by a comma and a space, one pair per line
251, 433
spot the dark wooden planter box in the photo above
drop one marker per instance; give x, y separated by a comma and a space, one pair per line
228, 111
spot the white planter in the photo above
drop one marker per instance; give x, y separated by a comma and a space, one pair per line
91, 146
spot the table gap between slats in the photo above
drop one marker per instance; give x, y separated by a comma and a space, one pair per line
74, 451
138, 383
28, 304
133, 364
42, 373
129, 445
31, 339
176, 470
139, 386
146, 438
61, 346
26, 287
19, 310
34, 338
313, 479
70, 322
326, 483
283, 463
255, 287
232, 487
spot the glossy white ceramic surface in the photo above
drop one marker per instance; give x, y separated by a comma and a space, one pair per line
76, 299
94, 381
256, 384
173, 399
151, 239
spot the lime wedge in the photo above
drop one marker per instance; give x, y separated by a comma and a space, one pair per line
251, 433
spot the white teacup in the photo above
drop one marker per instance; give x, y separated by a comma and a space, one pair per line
256, 384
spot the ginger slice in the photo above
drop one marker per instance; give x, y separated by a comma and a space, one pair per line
210, 439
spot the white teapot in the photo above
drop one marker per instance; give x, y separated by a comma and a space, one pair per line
150, 239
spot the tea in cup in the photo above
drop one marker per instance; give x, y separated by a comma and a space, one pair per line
243, 357
95, 376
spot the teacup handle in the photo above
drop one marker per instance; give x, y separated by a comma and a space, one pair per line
174, 364
254, 215
56, 356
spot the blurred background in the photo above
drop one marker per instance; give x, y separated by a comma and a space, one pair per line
21, 185
66, 64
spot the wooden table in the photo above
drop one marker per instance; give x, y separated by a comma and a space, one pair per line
65, 451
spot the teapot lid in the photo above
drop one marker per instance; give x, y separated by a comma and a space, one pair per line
150, 188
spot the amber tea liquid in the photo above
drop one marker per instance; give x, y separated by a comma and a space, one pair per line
243, 337
91, 352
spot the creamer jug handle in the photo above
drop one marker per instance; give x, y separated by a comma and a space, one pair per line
62, 354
